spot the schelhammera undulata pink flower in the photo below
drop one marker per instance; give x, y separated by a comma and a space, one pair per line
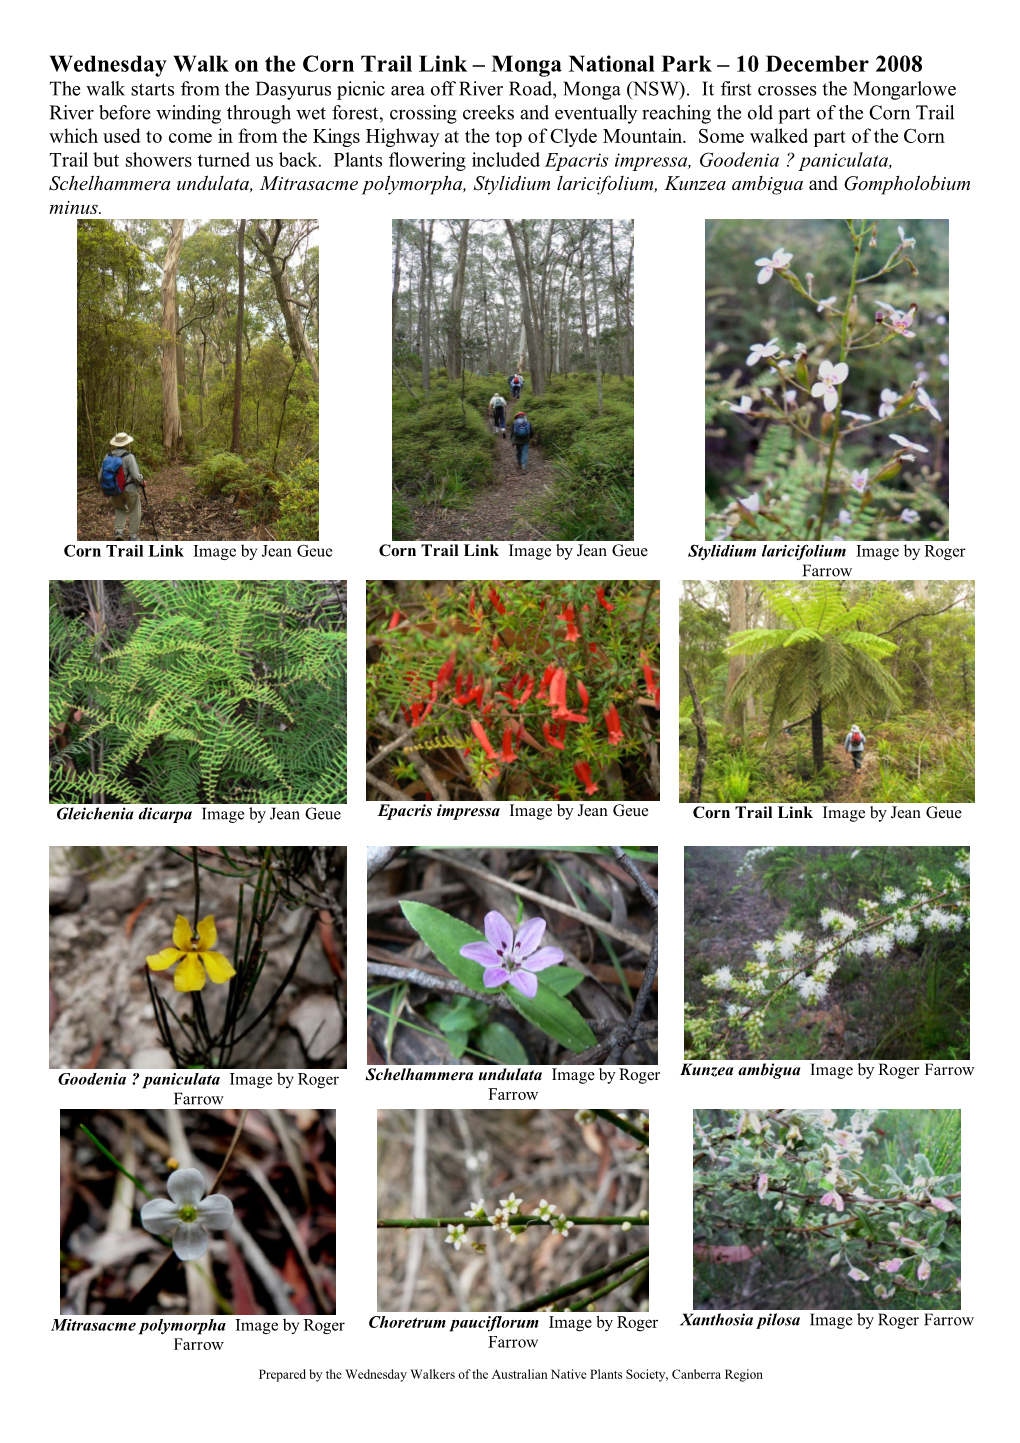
507, 959
186, 1216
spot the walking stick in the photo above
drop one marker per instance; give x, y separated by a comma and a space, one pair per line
152, 516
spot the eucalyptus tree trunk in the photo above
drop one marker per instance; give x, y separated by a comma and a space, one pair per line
598, 322
454, 346
235, 434
536, 351
173, 433
266, 244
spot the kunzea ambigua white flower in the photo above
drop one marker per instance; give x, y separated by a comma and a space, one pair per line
508, 960
779, 261
830, 378
762, 353
194, 952
187, 1215
889, 400
859, 480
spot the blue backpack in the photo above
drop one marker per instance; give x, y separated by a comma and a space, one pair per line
111, 475
522, 428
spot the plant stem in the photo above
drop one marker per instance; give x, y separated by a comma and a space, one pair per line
120, 1168
858, 241
609, 1287
590, 1280
622, 1124
516, 1222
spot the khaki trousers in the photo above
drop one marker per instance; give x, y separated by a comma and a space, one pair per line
128, 506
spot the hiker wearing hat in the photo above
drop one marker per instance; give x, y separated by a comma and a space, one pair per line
521, 433
854, 744
120, 478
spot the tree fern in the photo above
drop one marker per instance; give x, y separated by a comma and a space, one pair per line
220, 691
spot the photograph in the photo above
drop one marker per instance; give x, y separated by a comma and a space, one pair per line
823, 1208
198, 691
198, 380
203, 957
175, 1213
827, 691
805, 319
513, 380
517, 955
571, 1234
827, 952
513, 690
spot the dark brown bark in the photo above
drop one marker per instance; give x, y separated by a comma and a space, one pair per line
698, 718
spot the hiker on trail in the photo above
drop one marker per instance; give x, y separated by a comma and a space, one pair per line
121, 481
854, 744
497, 410
515, 382
521, 433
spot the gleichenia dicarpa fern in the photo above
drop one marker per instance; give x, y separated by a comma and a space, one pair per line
209, 691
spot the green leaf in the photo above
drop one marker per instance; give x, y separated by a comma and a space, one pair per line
457, 1043
555, 1016
561, 979
499, 1042
445, 936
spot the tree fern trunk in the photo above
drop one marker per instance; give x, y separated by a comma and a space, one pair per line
817, 739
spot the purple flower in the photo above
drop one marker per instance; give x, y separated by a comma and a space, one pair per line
508, 960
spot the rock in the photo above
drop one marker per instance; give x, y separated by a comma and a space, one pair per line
119, 894
317, 1022
68, 893
156, 1057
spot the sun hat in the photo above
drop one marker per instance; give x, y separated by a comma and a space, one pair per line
121, 439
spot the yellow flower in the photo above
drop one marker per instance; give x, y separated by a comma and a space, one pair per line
191, 950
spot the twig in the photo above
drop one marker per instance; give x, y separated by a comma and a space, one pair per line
283, 1213
576, 1286
262, 1267
379, 858
385, 788
230, 1150
436, 983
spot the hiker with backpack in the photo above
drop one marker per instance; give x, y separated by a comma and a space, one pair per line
854, 744
521, 434
497, 410
121, 480
515, 382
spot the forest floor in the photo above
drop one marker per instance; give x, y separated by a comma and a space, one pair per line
182, 512
852, 783
500, 511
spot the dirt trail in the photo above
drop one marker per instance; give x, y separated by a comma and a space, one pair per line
852, 784
500, 511
182, 512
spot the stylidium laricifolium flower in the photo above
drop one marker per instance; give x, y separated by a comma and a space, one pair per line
194, 952
779, 260
507, 959
830, 378
187, 1215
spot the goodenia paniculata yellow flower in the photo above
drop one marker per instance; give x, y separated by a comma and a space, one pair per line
193, 951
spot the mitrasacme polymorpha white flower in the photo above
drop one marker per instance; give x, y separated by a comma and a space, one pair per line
187, 1215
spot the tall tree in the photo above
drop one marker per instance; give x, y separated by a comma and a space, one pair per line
396, 283
454, 335
276, 250
821, 658
173, 434
598, 322
536, 353
737, 660
235, 437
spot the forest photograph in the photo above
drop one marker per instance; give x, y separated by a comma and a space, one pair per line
498, 690
513, 380
827, 1208
827, 379
827, 691
173, 1213
569, 1234
203, 957
515, 955
830, 953
198, 380
198, 691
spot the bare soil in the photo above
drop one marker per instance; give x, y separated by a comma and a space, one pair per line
182, 512
501, 510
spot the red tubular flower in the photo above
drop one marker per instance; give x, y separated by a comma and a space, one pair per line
550, 739
567, 615
583, 693
649, 676
563, 733
527, 691
446, 672
479, 732
600, 593
407, 714
547, 677
558, 692
394, 620
495, 641
494, 598
509, 755
583, 773
415, 713
613, 727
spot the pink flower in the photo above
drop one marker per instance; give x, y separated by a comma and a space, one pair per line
924, 1270
859, 480
831, 1200
857, 1276
763, 1183
779, 260
943, 1204
892, 1266
507, 960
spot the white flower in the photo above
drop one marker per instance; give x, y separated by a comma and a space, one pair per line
830, 378
765, 949
780, 260
838, 538
721, 977
745, 405
762, 353
187, 1216
499, 1220
906, 242
455, 1234
788, 944
900, 321
476, 1210
859, 480
845, 518
889, 399
511, 1204
824, 305
925, 400
892, 894
752, 502
910, 517
789, 397
943, 359
799, 350
907, 445
856, 415
562, 1226
545, 1210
